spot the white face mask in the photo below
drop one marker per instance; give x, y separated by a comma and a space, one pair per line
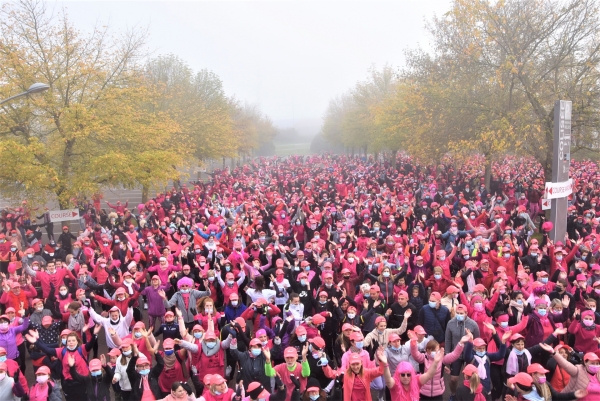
63, 293
42, 379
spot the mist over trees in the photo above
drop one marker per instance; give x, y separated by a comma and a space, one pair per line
488, 85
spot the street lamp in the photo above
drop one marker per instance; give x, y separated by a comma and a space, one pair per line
35, 88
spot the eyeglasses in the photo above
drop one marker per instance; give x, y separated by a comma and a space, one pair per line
405, 374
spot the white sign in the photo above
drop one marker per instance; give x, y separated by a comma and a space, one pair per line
63, 215
555, 190
546, 204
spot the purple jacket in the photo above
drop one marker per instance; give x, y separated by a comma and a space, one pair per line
535, 331
7, 340
156, 306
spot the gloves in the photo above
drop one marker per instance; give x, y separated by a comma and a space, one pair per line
296, 382
193, 311
232, 332
131, 302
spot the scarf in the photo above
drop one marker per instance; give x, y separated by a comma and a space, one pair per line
127, 285
588, 328
76, 322
481, 366
170, 360
512, 365
478, 392
518, 307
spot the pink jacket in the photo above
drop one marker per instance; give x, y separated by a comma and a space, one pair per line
435, 386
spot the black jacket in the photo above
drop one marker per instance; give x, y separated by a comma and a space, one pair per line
136, 379
98, 389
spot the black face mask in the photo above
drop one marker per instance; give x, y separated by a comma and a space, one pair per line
559, 289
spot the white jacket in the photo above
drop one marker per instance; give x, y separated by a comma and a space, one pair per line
122, 328
121, 373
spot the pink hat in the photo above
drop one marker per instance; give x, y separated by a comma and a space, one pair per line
436, 295
260, 332
168, 343
95, 364
478, 342
290, 352
318, 319
47, 320
540, 301
356, 336
420, 330
355, 358
300, 331
581, 277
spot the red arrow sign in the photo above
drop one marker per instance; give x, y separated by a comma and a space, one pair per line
73, 214
550, 190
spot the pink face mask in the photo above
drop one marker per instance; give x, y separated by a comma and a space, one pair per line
478, 307
594, 368
542, 379
588, 323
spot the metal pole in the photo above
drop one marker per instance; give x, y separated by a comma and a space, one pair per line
561, 161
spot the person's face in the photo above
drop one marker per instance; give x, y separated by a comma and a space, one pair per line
291, 360
563, 352
71, 341
51, 267
179, 393
155, 283
402, 300
415, 292
114, 315
184, 286
382, 326
295, 301
73, 312
405, 378
356, 367
481, 348
519, 345
208, 305
126, 349
323, 298
395, 343
141, 367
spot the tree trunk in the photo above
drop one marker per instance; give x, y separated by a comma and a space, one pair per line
488, 171
145, 191
394, 164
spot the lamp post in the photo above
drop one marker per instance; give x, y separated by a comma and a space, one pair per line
35, 88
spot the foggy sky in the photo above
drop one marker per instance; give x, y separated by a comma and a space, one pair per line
290, 57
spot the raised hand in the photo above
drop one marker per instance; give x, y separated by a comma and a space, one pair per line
490, 326
381, 355
267, 353
407, 313
304, 351
506, 335
439, 356
162, 294
566, 301
97, 328
412, 335
103, 359
581, 393
546, 347
559, 331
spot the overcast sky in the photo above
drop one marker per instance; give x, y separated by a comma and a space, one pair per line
290, 57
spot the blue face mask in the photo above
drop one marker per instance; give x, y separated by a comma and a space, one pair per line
301, 338
367, 295
518, 352
395, 348
432, 304
359, 344
211, 345
144, 372
480, 354
138, 334
437, 276
544, 280
314, 397
64, 341
307, 268
169, 352
542, 312
3, 358
198, 335
96, 373
460, 318
520, 301
256, 351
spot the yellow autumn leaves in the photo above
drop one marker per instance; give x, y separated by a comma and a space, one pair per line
112, 117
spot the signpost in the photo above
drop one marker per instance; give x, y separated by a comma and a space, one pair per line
556, 190
560, 187
546, 204
63, 215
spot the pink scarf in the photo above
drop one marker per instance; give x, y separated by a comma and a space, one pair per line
478, 393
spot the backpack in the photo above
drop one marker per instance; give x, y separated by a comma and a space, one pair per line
63, 352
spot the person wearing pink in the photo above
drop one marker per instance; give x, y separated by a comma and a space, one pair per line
583, 377
434, 387
290, 367
52, 275
230, 285
218, 390
586, 332
174, 370
358, 378
163, 269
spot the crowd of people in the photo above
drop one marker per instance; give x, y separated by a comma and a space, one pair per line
315, 278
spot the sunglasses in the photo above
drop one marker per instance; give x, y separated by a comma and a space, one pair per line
405, 374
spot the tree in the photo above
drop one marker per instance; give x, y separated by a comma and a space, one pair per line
503, 64
93, 127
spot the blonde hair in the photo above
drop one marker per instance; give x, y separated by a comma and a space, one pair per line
474, 382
